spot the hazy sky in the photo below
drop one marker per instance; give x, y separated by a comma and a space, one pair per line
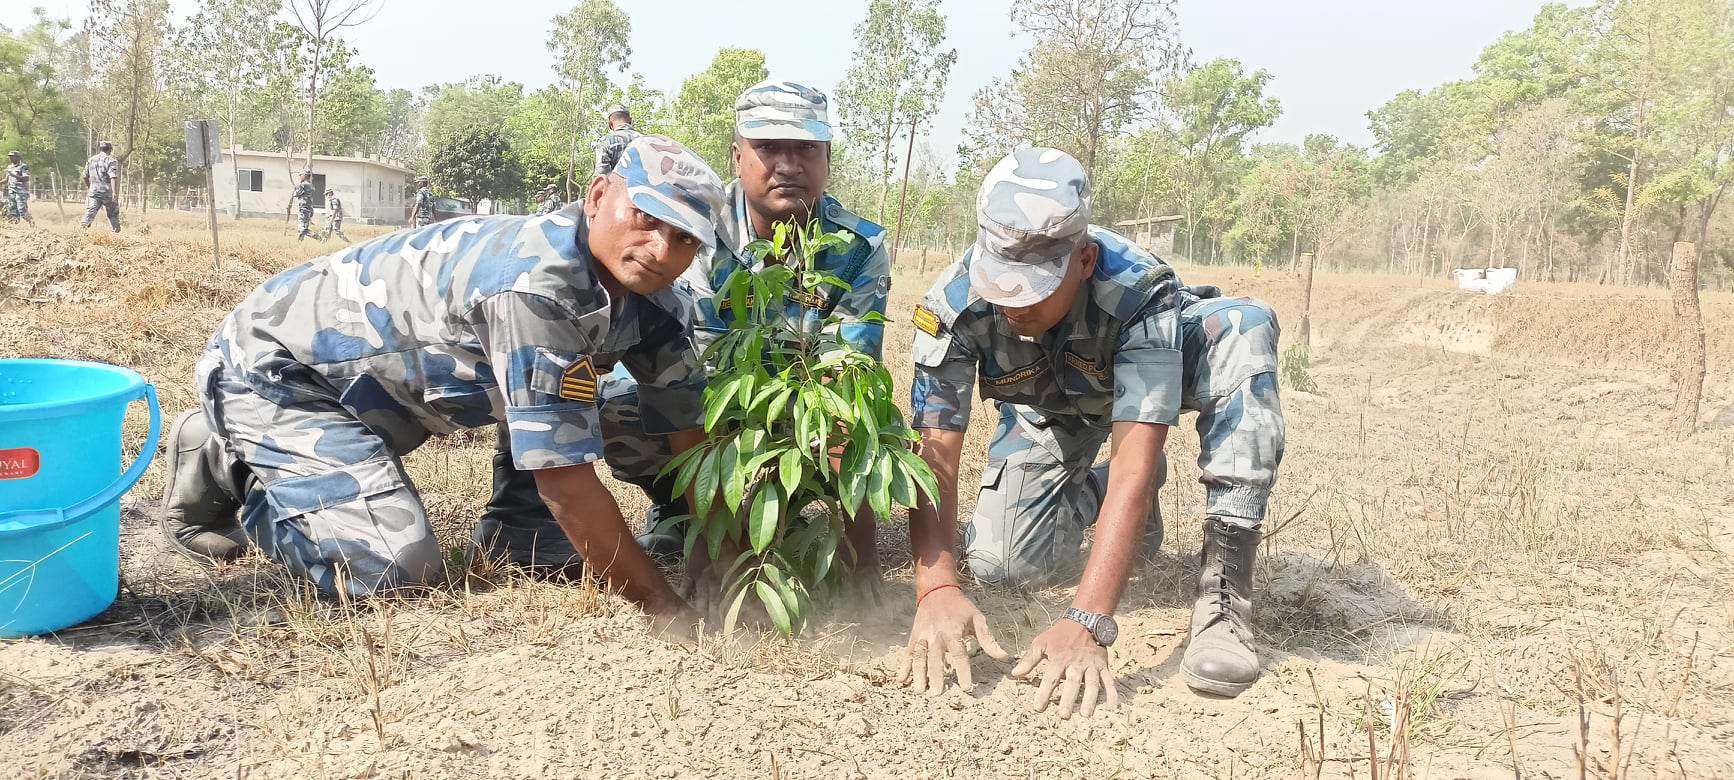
1332, 60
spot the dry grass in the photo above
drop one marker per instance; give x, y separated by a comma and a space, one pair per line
1485, 558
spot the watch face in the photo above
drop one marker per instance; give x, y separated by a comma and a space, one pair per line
1106, 630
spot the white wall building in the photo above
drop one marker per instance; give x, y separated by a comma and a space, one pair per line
373, 191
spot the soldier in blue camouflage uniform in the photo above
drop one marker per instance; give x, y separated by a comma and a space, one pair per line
102, 177
303, 195
783, 155
333, 217
1079, 336
424, 203
18, 188
550, 201
317, 384
620, 133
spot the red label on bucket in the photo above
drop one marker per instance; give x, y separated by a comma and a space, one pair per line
20, 463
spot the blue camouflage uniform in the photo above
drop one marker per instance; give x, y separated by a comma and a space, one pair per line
99, 170
609, 146
302, 199
424, 207
328, 373
1137, 346
550, 202
18, 190
772, 110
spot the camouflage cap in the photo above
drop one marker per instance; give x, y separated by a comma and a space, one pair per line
783, 110
669, 182
609, 112
1033, 210
14, 153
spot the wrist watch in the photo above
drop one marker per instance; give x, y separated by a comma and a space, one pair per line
1101, 627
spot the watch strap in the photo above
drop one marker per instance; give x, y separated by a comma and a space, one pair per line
1086, 619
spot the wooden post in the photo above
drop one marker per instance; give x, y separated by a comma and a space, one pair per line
1306, 282
1689, 337
59, 197
211, 193
903, 196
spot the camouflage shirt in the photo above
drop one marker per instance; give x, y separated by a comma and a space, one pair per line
609, 147
304, 194
863, 264
17, 178
549, 205
464, 323
334, 207
99, 170
1114, 358
424, 202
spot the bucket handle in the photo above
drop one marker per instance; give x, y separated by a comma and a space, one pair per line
31, 520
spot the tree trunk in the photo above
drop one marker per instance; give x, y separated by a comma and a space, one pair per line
1689, 338
1623, 253
234, 148
313, 97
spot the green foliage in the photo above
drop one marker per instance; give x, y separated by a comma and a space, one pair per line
802, 432
703, 114
897, 79
1293, 369
477, 163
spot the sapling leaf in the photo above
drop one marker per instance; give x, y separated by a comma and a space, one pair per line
774, 606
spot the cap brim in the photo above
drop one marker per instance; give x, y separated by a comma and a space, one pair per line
772, 130
684, 219
986, 266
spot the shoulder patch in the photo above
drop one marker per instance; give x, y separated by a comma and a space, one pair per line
578, 382
925, 320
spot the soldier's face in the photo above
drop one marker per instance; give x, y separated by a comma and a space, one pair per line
639, 252
782, 178
1038, 318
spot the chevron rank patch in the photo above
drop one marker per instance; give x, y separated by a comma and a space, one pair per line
926, 321
578, 383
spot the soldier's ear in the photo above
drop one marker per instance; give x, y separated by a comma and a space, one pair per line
1086, 259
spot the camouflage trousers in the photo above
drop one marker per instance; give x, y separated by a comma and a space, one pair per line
320, 491
18, 206
334, 226
423, 220
517, 524
305, 219
1039, 492
102, 201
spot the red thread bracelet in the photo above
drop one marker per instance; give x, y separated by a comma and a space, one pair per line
930, 591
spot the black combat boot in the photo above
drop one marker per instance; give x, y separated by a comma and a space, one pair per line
199, 507
1220, 658
516, 525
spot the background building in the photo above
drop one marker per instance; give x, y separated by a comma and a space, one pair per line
373, 191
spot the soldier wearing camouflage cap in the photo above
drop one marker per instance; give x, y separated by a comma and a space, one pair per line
17, 188
620, 133
1079, 336
327, 374
333, 217
302, 200
549, 201
783, 153
102, 178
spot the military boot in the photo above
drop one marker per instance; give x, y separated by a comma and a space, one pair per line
517, 527
199, 506
1219, 655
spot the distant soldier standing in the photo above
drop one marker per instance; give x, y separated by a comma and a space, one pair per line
550, 201
424, 203
18, 188
620, 133
333, 217
304, 195
102, 178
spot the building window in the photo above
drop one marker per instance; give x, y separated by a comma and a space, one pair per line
251, 180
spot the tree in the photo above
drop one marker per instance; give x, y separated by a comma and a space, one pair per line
218, 45
32, 106
354, 111
1085, 80
897, 80
1214, 106
477, 162
320, 20
128, 36
586, 42
401, 138
703, 114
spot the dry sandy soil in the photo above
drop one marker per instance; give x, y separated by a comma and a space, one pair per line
1488, 558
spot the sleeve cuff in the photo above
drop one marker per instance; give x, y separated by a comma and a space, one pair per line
553, 436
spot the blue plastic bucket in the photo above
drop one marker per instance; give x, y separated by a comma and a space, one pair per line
60, 488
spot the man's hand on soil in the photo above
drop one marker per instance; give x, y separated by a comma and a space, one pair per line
945, 619
1074, 658
678, 624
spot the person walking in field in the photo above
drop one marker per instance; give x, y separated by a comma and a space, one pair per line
550, 201
782, 150
302, 200
317, 384
102, 182
1081, 339
423, 215
620, 133
333, 217
17, 188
